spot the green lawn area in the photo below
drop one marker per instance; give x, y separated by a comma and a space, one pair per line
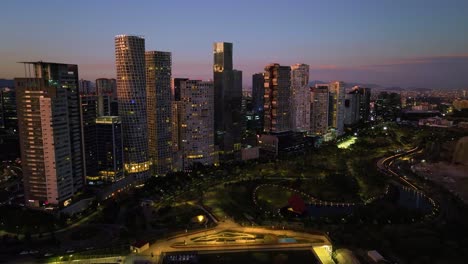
231, 200
272, 198
181, 216
23, 220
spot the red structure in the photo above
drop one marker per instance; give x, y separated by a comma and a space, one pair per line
297, 204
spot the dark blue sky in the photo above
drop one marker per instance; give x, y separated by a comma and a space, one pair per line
389, 42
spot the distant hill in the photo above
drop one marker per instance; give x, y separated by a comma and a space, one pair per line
6, 83
349, 84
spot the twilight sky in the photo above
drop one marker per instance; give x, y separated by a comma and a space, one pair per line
421, 43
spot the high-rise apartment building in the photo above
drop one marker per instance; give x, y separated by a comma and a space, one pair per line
107, 87
364, 104
351, 108
158, 96
50, 133
131, 95
336, 112
85, 87
195, 126
227, 102
277, 115
106, 90
320, 98
300, 99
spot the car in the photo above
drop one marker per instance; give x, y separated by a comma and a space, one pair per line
70, 251
48, 254
25, 252
33, 251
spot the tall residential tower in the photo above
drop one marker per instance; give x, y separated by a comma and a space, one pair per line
277, 115
158, 96
131, 94
300, 100
50, 132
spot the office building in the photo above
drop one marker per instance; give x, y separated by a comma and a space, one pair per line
8, 115
158, 96
131, 95
258, 92
109, 148
277, 115
227, 102
89, 112
50, 133
300, 99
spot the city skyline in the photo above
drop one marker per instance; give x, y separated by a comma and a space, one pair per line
391, 44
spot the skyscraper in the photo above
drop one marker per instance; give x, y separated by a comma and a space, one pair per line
50, 133
351, 107
364, 104
300, 100
277, 106
336, 114
195, 124
131, 94
8, 115
227, 102
158, 94
320, 97
109, 148
89, 112
258, 92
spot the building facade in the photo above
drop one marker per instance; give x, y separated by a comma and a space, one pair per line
227, 102
195, 124
277, 112
258, 92
8, 115
105, 86
109, 146
131, 95
336, 103
320, 97
158, 96
50, 133
85, 87
300, 99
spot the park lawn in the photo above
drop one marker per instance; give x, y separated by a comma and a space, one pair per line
180, 216
234, 200
271, 197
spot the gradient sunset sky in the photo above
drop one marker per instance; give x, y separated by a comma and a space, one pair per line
408, 43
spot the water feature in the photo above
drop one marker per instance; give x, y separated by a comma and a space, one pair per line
411, 199
402, 196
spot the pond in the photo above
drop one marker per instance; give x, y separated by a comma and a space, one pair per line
404, 197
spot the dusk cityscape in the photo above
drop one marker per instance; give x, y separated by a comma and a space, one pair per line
173, 132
